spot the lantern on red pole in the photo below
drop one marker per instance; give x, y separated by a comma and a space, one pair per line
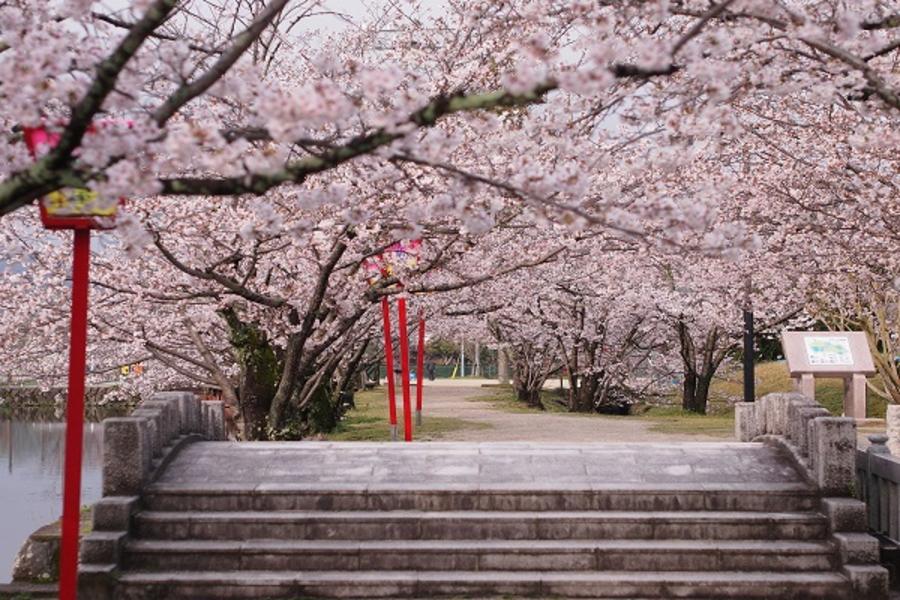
404, 359
81, 211
382, 266
389, 364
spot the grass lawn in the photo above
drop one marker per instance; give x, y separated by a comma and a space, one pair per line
369, 422
671, 419
503, 397
728, 387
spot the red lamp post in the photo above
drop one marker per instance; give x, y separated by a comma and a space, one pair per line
80, 211
420, 368
379, 267
389, 364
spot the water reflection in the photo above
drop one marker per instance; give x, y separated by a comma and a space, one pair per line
31, 479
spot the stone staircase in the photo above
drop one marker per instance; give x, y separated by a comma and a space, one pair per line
764, 542
280, 521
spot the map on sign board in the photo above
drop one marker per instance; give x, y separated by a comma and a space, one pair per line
828, 351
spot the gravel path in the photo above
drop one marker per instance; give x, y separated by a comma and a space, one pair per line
447, 398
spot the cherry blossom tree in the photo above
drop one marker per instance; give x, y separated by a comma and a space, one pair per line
594, 181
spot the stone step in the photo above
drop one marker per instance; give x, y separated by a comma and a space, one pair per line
430, 525
282, 585
481, 555
775, 497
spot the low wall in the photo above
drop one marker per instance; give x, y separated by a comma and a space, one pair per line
823, 448
136, 449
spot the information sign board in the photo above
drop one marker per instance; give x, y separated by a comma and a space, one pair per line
828, 351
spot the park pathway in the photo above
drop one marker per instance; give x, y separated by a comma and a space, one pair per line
463, 399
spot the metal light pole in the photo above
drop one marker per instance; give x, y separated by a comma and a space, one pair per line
462, 357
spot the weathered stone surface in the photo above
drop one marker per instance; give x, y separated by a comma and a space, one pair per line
38, 560
169, 421
857, 548
745, 426
845, 514
762, 427
188, 406
102, 547
832, 449
892, 418
96, 581
868, 581
113, 513
795, 429
155, 428
126, 456
805, 414
776, 413
215, 420
724, 520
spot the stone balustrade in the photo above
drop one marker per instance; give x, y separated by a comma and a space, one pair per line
133, 446
822, 445
823, 448
135, 450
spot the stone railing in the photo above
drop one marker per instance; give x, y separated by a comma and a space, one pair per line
823, 446
136, 450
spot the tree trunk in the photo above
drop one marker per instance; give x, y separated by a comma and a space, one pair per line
587, 392
260, 370
502, 366
695, 395
255, 397
689, 390
531, 397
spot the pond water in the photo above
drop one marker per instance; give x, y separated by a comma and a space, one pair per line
31, 465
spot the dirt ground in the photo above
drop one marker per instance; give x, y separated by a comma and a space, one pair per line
459, 399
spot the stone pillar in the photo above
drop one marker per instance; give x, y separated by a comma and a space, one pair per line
855, 396
804, 416
892, 419
795, 428
832, 451
188, 407
126, 456
762, 428
170, 425
214, 420
745, 428
806, 385
155, 427
776, 413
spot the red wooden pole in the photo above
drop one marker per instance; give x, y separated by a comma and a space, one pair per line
404, 360
71, 519
389, 362
420, 369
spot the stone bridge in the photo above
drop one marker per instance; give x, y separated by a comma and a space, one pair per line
185, 516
